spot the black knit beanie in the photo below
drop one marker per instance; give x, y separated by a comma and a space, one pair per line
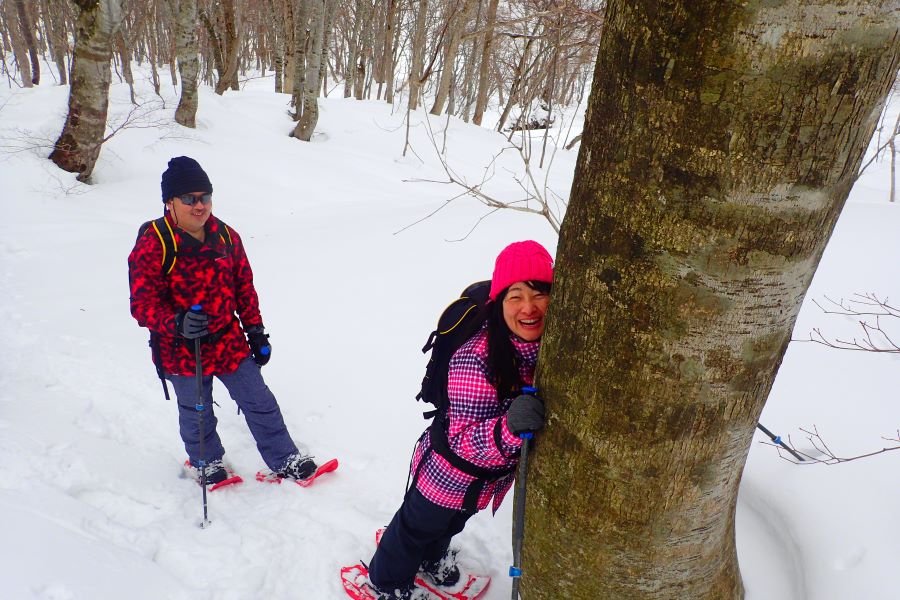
183, 176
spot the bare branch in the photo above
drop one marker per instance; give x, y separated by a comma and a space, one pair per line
823, 453
873, 310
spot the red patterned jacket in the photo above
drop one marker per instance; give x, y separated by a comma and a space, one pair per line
206, 274
476, 428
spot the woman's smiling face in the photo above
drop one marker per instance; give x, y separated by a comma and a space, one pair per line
524, 309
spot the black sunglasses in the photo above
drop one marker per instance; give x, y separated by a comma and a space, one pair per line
192, 199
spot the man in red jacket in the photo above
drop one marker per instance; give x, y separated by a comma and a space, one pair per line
210, 273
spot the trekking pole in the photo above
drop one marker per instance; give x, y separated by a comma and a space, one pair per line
201, 409
515, 571
777, 440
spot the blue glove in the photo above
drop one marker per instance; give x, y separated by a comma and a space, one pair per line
259, 344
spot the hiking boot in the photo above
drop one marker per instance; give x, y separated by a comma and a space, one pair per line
297, 466
215, 471
443, 572
409, 593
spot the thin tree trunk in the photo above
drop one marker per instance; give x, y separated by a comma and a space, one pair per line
28, 36
418, 56
186, 48
715, 161
78, 145
363, 49
388, 60
289, 44
125, 57
231, 47
19, 47
457, 21
330, 9
306, 125
276, 23
518, 78
468, 78
152, 56
353, 49
54, 28
301, 46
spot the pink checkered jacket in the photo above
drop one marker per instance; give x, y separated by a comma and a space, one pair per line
477, 428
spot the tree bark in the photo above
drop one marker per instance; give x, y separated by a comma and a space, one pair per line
720, 144
186, 49
78, 145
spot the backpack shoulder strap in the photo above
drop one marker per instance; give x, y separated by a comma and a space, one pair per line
225, 235
167, 240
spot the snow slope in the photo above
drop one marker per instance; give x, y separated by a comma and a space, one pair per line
91, 504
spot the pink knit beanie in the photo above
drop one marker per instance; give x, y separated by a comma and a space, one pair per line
521, 261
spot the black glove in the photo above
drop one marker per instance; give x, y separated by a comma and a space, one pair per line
259, 344
526, 413
192, 324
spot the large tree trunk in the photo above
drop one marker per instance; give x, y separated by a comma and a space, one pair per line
78, 145
187, 48
720, 144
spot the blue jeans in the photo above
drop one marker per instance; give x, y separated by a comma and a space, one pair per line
256, 401
419, 532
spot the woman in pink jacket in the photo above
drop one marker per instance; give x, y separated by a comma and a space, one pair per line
487, 412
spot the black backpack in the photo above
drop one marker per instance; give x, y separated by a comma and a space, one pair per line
459, 322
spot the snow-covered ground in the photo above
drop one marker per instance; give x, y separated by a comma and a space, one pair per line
91, 504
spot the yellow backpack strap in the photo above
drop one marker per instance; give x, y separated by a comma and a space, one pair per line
168, 241
226, 236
